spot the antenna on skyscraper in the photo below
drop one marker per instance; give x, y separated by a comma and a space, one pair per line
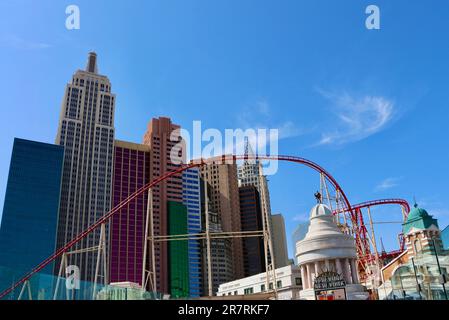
249, 153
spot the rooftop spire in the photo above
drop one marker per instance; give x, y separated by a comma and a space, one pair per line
249, 153
92, 63
416, 204
382, 246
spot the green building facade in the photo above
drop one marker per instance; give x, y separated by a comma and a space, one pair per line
178, 251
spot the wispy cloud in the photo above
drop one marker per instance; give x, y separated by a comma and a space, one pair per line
387, 183
16, 42
259, 116
356, 118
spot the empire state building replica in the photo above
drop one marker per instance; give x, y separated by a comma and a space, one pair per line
86, 130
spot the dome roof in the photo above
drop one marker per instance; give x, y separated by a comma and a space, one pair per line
418, 219
324, 239
417, 213
320, 210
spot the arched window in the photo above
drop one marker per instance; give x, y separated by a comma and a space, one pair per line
417, 246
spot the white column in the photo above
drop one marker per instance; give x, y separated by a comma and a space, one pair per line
347, 271
332, 265
303, 277
327, 264
309, 276
317, 268
338, 266
355, 278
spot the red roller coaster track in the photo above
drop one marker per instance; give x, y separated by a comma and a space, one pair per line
197, 163
374, 203
362, 228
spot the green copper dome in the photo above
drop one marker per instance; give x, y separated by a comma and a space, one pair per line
418, 218
417, 213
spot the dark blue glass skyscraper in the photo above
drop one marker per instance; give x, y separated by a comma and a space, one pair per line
30, 212
192, 200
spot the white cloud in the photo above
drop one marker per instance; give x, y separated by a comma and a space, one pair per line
387, 183
356, 118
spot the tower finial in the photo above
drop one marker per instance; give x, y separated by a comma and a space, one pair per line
92, 63
415, 203
382, 246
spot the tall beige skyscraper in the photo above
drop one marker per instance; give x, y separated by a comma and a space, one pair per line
224, 200
279, 241
86, 130
162, 136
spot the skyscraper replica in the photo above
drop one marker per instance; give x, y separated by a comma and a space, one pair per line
251, 220
163, 138
250, 173
178, 251
86, 131
127, 227
220, 249
327, 258
192, 200
279, 240
224, 201
299, 233
30, 212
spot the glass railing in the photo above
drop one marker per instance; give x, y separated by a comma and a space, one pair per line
424, 278
43, 286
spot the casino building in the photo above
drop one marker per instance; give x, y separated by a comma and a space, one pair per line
326, 252
421, 272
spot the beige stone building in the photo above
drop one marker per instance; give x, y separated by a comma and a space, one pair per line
224, 200
86, 131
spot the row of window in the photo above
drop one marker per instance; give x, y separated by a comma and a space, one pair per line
246, 291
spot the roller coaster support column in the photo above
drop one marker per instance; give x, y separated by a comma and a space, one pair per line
26, 285
149, 274
62, 266
268, 247
373, 237
377, 278
101, 251
324, 188
208, 250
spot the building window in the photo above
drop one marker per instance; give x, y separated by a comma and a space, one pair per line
298, 281
417, 245
248, 291
279, 284
262, 288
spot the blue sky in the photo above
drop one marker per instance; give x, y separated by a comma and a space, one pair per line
371, 106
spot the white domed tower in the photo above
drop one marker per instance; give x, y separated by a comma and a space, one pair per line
326, 250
